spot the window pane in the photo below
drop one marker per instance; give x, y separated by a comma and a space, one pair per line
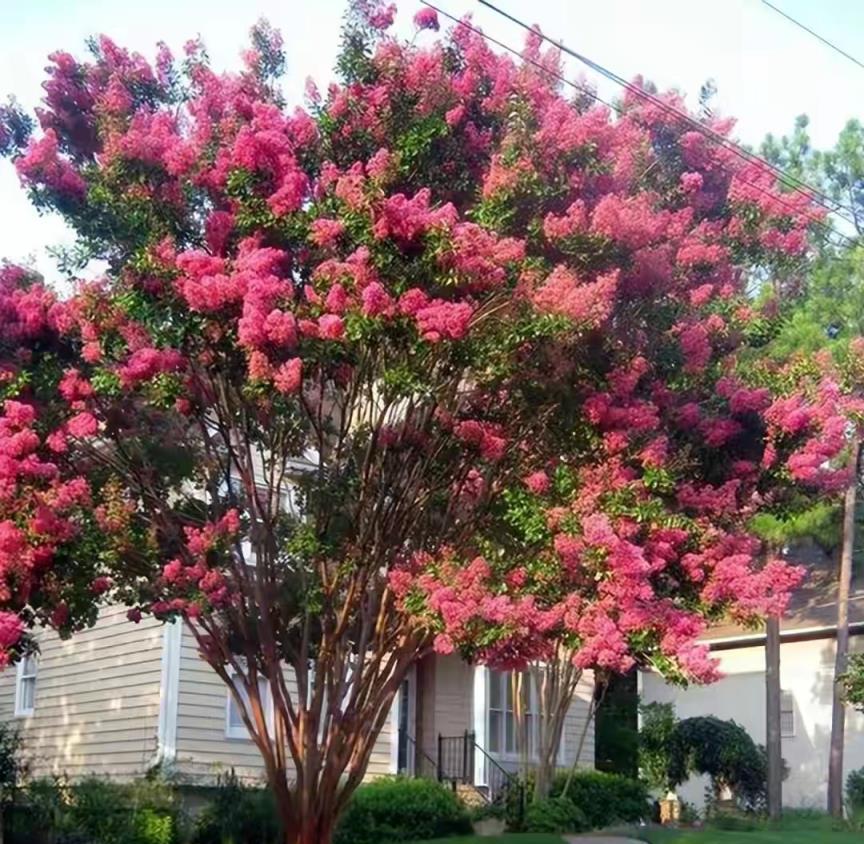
529, 729
28, 669
494, 690
787, 714
235, 719
510, 737
28, 693
494, 731
508, 680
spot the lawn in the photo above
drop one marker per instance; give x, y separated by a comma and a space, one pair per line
509, 838
793, 831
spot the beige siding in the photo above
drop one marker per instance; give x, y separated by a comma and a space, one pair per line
97, 699
447, 709
574, 726
204, 751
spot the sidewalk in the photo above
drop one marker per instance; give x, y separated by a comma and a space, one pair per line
600, 839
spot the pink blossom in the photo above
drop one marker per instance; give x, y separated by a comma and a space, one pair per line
537, 482
326, 232
426, 19
440, 320
83, 425
289, 376
376, 301
331, 327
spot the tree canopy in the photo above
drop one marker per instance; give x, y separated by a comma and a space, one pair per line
445, 360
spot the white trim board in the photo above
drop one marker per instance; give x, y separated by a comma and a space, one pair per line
169, 687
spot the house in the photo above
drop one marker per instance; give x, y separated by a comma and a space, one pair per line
807, 650
119, 698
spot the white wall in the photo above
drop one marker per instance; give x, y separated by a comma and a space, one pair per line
806, 672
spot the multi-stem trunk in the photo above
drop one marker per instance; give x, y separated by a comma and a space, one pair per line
554, 682
844, 585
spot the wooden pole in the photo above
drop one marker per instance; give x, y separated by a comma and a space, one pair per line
844, 585
772, 717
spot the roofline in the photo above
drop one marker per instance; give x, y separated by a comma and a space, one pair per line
798, 634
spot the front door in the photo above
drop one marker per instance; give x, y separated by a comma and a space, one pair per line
406, 725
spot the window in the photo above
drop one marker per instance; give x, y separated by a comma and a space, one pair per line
287, 504
234, 726
25, 686
504, 735
787, 715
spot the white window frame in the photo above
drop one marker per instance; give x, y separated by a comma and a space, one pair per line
239, 732
787, 707
505, 680
22, 676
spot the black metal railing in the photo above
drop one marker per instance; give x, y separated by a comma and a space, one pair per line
456, 758
502, 787
422, 764
460, 759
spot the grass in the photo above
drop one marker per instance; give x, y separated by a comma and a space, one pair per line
790, 831
507, 838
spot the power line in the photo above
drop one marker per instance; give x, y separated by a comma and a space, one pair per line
589, 92
788, 179
816, 35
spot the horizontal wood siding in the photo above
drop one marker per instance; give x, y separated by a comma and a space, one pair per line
97, 699
454, 692
450, 694
574, 725
204, 752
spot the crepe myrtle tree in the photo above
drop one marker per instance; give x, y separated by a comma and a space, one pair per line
483, 337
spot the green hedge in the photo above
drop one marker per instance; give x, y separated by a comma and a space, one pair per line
94, 811
555, 814
394, 809
237, 814
604, 798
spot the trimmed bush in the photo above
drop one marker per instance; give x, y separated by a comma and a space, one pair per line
394, 809
555, 814
604, 798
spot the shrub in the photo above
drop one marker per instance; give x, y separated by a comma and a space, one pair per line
724, 751
393, 809
655, 734
605, 798
733, 823
855, 791
237, 814
95, 811
555, 814
689, 814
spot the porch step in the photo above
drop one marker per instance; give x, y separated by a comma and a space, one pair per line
471, 795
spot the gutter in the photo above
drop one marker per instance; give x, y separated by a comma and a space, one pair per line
800, 634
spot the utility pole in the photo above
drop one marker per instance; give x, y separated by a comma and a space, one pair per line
844, 586
772, 717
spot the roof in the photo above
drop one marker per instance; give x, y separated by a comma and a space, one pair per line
813, 606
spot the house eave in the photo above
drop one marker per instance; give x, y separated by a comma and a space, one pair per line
799, 634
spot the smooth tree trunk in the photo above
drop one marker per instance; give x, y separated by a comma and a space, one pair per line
773, 742
841, 658
601, 685
555, 682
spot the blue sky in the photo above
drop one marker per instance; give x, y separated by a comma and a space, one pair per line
767, 71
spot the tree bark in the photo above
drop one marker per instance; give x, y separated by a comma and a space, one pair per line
773, 742
844, 585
